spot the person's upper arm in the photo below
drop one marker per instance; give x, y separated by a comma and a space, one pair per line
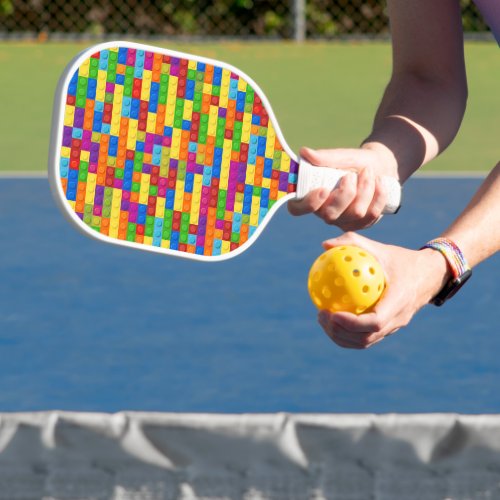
428, 40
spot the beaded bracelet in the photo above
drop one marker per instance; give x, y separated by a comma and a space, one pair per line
460, 269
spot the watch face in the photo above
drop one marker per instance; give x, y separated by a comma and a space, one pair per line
451, 288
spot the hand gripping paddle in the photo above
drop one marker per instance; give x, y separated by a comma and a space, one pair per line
172, 153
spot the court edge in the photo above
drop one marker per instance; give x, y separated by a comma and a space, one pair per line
465, 174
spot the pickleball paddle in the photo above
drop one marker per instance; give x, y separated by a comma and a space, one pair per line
174, 153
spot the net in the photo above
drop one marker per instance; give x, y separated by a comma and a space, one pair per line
57, 455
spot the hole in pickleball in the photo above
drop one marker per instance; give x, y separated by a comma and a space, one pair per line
326, 292
316, 276
362, 254
346, 299
372, 270
356, 273
339, 281
366, 289
379, 288
348, 258
317, 300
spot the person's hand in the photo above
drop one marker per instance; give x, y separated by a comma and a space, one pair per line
413, 278
359, 199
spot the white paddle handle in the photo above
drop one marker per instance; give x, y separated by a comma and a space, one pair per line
312, 177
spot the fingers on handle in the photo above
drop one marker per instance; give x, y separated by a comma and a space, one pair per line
310, 203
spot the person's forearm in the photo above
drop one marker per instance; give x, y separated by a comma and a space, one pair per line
424, 102
477, 230
416, 120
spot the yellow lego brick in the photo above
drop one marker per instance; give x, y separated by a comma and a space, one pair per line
72, 204
132, 133
194, 216
83, 69
224, 89
146, 84
224, 174
117, 110
195, 206
164, 166
247, 128
285, 163
176, 144
151, 123
148, 240
115, 126
101, 85
225, 247
271, 137
266, 183
171, 98
188, 110
269, 149
207, 88
242, 85
192, 64
238, 206
169, 119
212, 120
115, 213
65, 152
84, 155
69, 116
197, 184
160, 208
90, 191
179, 197
165, 243
250, 174
144, 189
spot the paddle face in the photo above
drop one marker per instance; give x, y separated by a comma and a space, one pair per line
166, 152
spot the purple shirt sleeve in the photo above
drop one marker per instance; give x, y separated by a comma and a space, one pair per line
490, 9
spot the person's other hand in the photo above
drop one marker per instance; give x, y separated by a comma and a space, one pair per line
359, 199
413, 278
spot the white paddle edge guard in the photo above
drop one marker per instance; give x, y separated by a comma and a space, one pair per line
56, 143
312, 177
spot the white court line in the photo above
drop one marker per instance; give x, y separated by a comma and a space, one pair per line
23, 175
454, 174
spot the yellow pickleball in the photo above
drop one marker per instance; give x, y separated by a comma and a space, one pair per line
346, 278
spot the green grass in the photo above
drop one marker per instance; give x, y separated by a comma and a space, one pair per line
323, 94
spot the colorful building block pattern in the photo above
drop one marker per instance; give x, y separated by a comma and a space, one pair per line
170, 152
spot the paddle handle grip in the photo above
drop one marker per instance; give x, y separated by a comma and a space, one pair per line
312, 177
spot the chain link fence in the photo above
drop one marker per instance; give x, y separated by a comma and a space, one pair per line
286, 19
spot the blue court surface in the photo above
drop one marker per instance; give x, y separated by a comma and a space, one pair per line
88, 326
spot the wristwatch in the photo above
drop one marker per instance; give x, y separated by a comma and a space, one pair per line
460, 270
